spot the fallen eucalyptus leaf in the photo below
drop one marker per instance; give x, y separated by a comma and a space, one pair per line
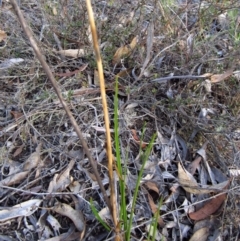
75, 215
23, 209
200, 235
62, 180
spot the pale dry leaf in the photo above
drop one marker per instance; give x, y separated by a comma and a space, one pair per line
105, 214
18, 151
8, 63
75, 215
62, 180
33, 160
188, 207
202, 150
234, 172
124, 51
75, 53
200, 235
201, 156
11, 167
186, 179
190, 42
207, 85
89, 34
20, 210
54, 224
3, 35
54, 10
75, 187
220, 77
150, 35
14, 179
96, 78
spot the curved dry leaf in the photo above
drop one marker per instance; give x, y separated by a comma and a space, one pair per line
220, 77
190, 184
33, 159
62, 180
14, 179
23, 209
192, 167
75, 215
210, 207
54, 223
187, 180
124, 51
200, 235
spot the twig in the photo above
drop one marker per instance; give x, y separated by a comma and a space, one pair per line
46, 68
164, 79
105, 110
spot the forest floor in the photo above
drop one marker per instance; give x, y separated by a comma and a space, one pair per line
178, 69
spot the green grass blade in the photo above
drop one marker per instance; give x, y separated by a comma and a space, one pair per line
123, 209
155, 219
145, 157
95, 213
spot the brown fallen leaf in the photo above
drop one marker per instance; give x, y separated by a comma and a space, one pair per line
220, 77
210, 207
3, 35
136, 138
124, 51
192, 167
154, 210
18, 150
152, 186
16, 114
